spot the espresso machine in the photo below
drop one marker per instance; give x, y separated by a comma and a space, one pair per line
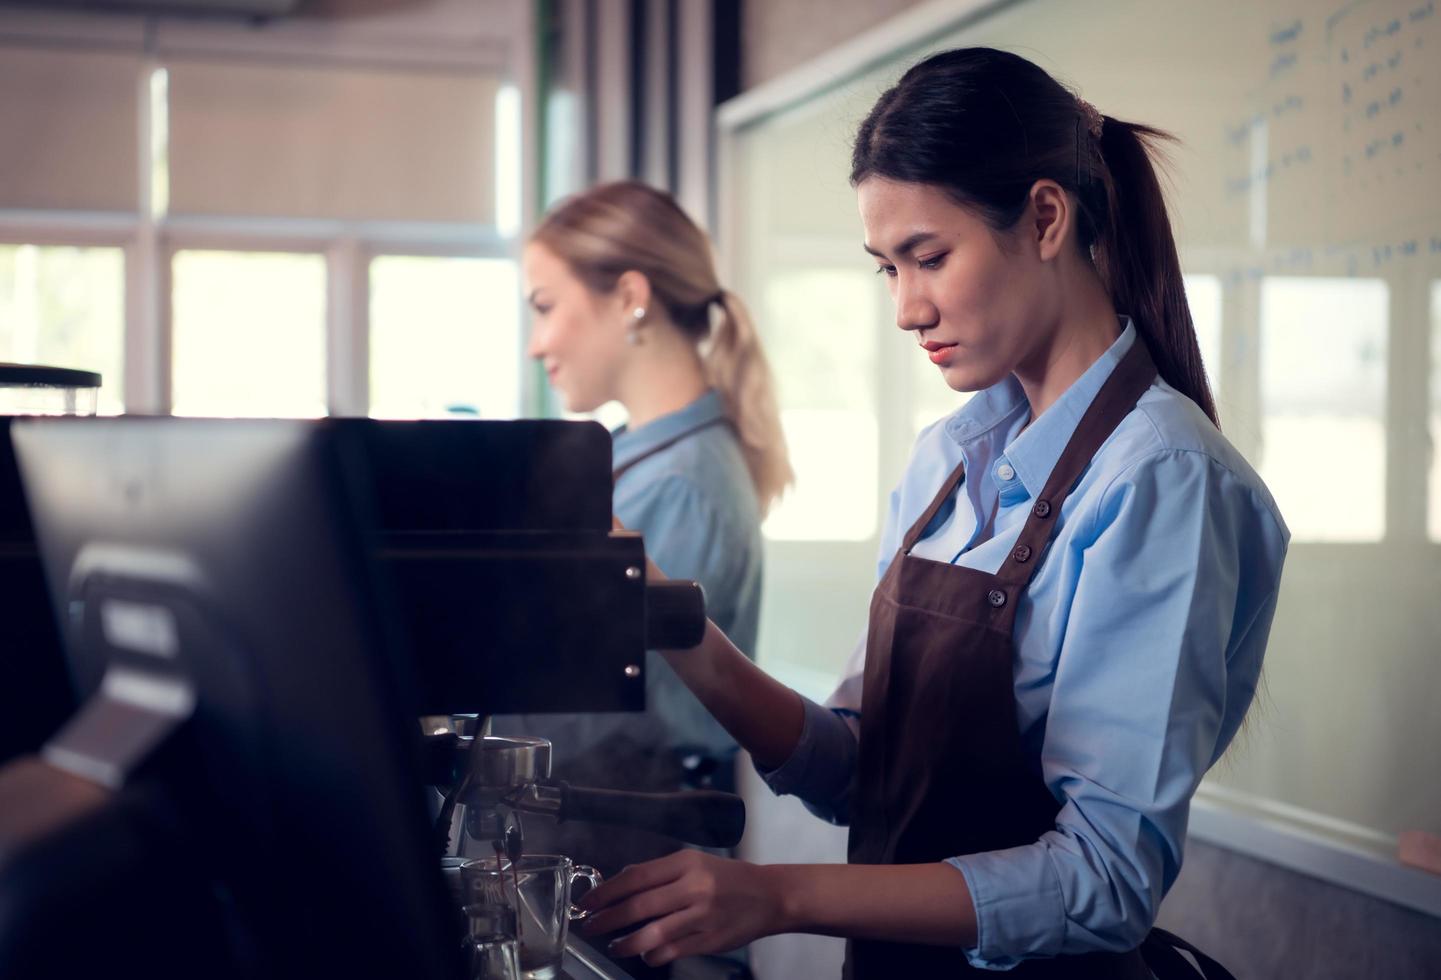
519, 513
255, 613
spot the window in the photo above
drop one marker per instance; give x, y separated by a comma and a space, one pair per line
1323, 395
249, 334
65, 307
443, 337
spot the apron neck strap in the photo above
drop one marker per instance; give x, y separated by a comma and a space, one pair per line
617, 472
1122, 390
918, 528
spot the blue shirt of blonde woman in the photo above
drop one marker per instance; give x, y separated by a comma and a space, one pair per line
684, 485
1138, 648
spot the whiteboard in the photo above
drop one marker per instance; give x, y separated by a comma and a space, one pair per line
1304, 197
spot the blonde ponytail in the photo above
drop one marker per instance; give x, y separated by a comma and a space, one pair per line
610, 229
736, 366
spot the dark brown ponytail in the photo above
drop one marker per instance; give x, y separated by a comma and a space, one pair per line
1135, 254
985, 125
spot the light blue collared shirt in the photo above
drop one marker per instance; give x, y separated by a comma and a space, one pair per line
1138, 648
687, 490
695, 505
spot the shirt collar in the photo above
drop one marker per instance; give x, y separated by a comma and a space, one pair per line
631, 444
1033, 454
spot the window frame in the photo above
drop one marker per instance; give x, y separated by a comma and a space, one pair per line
149, 241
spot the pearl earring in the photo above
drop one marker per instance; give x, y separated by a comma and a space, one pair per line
632, 335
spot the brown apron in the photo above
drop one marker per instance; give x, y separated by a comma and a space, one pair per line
941, 770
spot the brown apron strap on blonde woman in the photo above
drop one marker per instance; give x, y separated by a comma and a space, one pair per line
619, 471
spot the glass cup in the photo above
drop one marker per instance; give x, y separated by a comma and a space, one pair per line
492, 951
493, 959
538, 887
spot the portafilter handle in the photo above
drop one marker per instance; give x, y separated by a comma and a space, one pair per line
709, 818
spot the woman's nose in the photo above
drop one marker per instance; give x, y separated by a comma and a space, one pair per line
533, 347
914, 310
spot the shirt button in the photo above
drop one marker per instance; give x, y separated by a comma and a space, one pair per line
996, 598
1043, 508
1006, 472
1022, 553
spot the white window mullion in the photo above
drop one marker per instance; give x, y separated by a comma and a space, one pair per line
147, 279
347, 327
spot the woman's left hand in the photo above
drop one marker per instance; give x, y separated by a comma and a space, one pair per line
690, 903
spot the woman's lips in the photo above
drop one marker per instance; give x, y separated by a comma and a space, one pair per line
937, 352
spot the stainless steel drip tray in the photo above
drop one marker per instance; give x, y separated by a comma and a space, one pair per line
584, 963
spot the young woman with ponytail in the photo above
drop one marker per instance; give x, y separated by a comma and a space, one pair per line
1078, 576
627, 307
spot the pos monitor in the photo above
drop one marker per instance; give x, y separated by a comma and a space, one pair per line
233, 655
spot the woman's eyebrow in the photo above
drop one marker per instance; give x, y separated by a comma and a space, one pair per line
906, 246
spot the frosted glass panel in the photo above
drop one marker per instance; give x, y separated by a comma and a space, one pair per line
1302, 193
833, 452
1203, 295
1323, 386
822, 347
1433, 509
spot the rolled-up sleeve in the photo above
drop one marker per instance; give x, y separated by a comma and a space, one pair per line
1162, 650
821, 770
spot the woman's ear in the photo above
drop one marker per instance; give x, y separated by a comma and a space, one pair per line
1051, 214
634, 292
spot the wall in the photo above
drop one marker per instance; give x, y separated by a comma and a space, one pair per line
778, 35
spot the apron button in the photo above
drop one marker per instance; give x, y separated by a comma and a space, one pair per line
1022, 553
996, 598
1043, 508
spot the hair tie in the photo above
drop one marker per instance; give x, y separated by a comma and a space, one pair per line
1094, 120
719, 297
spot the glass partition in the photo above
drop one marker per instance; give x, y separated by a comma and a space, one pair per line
1301, 194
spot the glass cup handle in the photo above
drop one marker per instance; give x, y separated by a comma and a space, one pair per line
589, 874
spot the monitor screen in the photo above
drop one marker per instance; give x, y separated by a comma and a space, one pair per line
35, 696
220, 570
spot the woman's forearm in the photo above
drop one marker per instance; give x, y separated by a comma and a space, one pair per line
908, 903
760, 712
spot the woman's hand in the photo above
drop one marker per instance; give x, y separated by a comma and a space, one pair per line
687, 903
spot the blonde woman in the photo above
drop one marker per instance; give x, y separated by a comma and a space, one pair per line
628, 308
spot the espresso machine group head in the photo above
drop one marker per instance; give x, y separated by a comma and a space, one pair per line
496, 779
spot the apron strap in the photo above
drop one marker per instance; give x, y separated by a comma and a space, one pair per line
1160, 951
918, 528
620, 471
1127, 383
